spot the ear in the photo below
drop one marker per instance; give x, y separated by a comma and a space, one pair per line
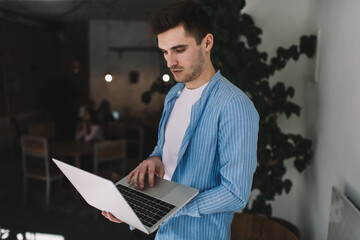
208, 42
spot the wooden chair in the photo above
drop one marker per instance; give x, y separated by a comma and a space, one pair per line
42, 129
250, 227
115, 130
36, 164
110, 151
134, 135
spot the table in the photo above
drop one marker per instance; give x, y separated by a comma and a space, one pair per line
71, 148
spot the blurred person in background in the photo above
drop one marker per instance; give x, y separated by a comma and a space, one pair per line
89, 129
87, 104
104, 113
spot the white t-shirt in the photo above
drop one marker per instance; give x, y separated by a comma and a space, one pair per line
176, 126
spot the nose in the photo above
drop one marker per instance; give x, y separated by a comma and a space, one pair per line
171, 60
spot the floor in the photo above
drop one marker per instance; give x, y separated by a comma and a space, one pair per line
68, 217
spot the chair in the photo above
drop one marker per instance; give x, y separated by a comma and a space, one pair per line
115, 130
134, 135
35, 158
250, 227
42, 129
110, 151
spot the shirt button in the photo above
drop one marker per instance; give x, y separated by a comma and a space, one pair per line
179, 92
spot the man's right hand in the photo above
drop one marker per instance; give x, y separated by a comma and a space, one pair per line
149, 167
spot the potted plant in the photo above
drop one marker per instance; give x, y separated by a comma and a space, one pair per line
237, 55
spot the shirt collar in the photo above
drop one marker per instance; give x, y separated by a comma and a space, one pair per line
180, 86
213, 81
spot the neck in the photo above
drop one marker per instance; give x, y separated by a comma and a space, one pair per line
203, 78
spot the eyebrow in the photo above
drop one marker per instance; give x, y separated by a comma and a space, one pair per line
175, 47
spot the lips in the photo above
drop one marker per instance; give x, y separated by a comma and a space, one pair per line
176, 71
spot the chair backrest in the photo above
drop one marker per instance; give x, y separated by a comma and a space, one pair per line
115, 130
109, 151
134, 135
132, 132
42, 129
35, 148
135, 132
250, 227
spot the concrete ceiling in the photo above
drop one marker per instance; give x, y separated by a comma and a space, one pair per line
79, 10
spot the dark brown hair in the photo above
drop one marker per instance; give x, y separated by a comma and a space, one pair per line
194, 18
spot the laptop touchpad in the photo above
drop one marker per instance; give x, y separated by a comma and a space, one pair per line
161, 188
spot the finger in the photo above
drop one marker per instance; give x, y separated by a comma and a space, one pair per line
104, 214
128, 180
161, 171
113, 219
131, 174
107, 215
151, 173
142, 174
136, 177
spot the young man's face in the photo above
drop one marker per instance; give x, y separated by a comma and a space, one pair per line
184, 57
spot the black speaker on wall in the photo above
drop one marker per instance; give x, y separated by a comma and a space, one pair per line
134, 77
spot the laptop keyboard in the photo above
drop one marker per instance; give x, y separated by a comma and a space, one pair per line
148, 209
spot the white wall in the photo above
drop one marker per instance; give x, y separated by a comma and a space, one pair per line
337, 156
123, 96
330, 114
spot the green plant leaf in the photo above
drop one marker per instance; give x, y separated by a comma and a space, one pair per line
308, 45
290, 92
287, 185
146, 97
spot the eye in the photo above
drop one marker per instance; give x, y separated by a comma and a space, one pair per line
179, 50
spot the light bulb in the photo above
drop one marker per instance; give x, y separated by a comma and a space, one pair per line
108, 78
166, 77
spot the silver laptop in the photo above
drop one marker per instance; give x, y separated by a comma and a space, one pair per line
144, 209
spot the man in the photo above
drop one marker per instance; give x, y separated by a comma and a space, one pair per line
207, 133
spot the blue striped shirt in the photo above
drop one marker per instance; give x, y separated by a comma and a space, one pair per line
217, 156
